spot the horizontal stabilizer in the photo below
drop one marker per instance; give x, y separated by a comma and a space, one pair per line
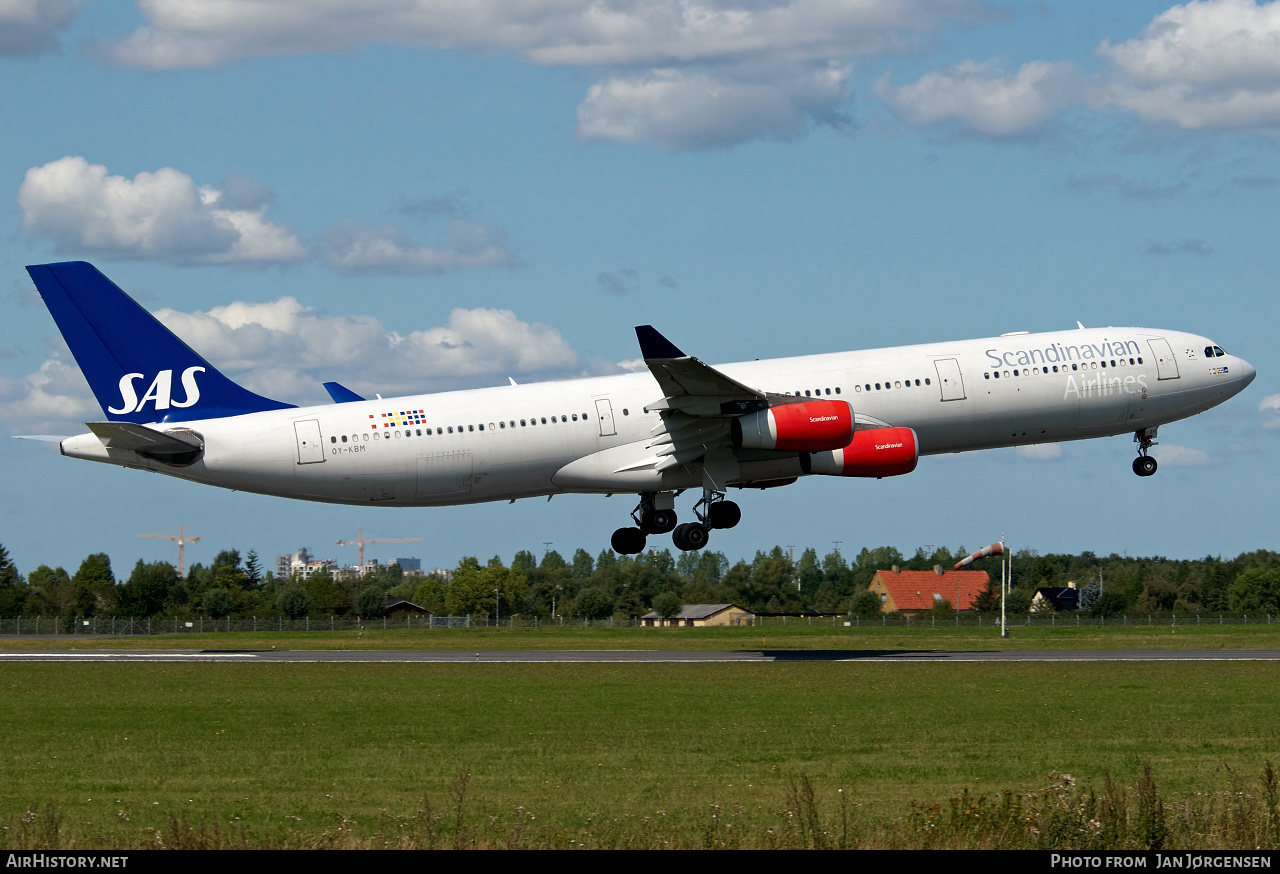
340, 393
143, 440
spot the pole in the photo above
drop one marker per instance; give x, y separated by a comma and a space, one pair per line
1004, 587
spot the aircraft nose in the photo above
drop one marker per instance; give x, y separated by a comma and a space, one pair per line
1247, 373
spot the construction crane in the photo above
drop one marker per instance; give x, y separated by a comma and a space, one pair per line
183, 540
361, 541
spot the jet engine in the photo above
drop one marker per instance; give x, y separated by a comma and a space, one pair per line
808, 426
875, 452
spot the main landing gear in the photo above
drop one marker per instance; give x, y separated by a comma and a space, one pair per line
1144, 465
654, 515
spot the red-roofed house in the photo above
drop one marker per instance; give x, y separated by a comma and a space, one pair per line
914, 592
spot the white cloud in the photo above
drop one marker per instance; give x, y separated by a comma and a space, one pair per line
1201, 65
283, 345
689, 109
44, 401
1270, 410
984, 98
678, 73
576, 33
29, 27
1172, 455
1040, 452
356, 249
285, 350
160, 216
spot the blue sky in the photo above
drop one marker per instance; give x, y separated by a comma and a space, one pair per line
429, 195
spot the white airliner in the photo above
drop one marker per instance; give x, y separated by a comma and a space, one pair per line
684, 425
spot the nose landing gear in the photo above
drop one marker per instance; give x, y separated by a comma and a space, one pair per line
1144, 465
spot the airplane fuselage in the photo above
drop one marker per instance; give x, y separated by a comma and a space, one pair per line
594, 435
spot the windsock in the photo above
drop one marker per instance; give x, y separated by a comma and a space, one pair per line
993, 549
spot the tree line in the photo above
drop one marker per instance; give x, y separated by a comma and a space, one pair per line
772, 582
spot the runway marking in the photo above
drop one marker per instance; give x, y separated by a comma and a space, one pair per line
618, 657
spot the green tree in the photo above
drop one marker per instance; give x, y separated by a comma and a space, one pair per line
583, 565
217, 603
93, 586
865, 605
369, 602
13, 593
293, 601
49, 591
149, 589
1255, 590
988, 600
252, 570
472, 589
592, 603
809, 573
667, 604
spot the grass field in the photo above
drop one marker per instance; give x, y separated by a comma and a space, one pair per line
636, 754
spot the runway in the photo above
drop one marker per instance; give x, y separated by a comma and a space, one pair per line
633, 656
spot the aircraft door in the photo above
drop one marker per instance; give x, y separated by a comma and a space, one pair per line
310, 449
604, 412
949, 379
1166, 364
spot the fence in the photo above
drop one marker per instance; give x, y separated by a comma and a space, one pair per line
120, 625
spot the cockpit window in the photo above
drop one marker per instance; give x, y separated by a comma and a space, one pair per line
1213, 352
1217, 351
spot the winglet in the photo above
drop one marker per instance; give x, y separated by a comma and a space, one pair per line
340, 393
654, 345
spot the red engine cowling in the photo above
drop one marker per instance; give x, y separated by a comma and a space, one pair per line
809, 426
875, 452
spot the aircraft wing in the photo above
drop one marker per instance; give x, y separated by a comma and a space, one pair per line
142, 440
697, 404
689, 385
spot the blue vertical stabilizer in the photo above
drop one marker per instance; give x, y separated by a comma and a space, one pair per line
138, 369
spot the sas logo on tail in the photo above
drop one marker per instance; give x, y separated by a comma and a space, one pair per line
160, 391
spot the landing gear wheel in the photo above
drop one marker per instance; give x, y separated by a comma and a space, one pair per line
724, 514
1144, 465
690, 536
658, 522
628, 541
